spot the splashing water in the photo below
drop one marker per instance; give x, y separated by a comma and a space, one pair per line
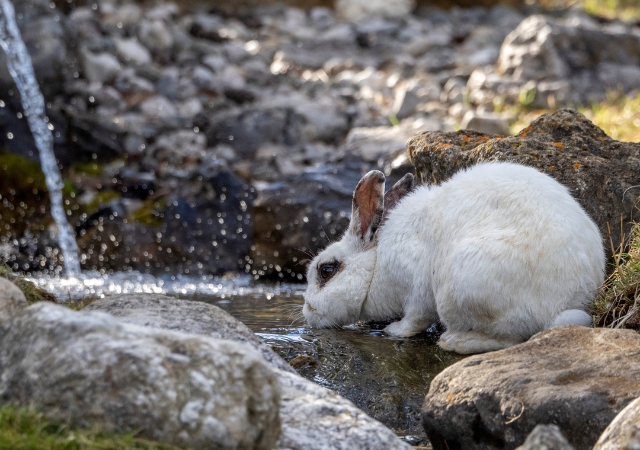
21, 69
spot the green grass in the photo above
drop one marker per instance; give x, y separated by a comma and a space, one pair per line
26, 429
617, 306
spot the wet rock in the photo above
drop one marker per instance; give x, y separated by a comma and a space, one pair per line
12, 300
293, 218
312, 417
200, 226
599, 171
623, 433
159, 311
574, 377
546, 437
167, 386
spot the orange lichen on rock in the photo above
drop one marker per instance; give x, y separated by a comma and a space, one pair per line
441, 146
523, 133
552, 167
559, 145
577, 166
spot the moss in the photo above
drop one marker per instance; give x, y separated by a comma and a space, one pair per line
91, 169
26, 429
32, 292
617, 306
151, 213
102, 197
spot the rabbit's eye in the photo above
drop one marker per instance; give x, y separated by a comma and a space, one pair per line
328, 270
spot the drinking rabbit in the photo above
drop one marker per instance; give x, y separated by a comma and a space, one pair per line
497, 253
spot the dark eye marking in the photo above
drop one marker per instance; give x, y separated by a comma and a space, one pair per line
327, 270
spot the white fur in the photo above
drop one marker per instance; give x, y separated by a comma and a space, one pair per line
497, 253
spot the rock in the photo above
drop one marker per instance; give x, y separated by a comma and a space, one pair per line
312, 417
574, 377
131, 51
201, 225
159, 311
543, 49
487, 123
546, 437
12, 300
623, 433
358, 10
172, 387
247, 129
100, 68
158, 107
155, 35
599, 171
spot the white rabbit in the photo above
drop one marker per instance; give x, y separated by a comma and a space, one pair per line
497, 253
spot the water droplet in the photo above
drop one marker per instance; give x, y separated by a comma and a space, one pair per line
9, 135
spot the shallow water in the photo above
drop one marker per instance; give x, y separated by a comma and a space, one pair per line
386, 377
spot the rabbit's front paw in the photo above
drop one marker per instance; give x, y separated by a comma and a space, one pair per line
402, 328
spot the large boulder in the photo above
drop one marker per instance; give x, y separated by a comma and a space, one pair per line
601, 173
313, 418
623, 433
160, 311
91, 370
574, 377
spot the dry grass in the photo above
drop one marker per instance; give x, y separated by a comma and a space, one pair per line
617, 306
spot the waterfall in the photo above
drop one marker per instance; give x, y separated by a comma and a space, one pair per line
21, 69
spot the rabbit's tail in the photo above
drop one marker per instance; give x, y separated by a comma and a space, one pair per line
572, 317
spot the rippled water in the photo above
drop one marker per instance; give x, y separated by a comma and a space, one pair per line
386, 377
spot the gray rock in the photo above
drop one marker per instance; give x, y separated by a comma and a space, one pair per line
159, 311
12, 300
132, 51
574, 377
488, 123
546, 437
359, 10
158, 107
100, 68
313, 418
155, 35
247, 129
623, 433
91, 370
405, 103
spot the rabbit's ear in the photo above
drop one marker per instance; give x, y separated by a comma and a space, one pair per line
396, 193
367, 207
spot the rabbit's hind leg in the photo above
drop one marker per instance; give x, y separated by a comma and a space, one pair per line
469, 342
